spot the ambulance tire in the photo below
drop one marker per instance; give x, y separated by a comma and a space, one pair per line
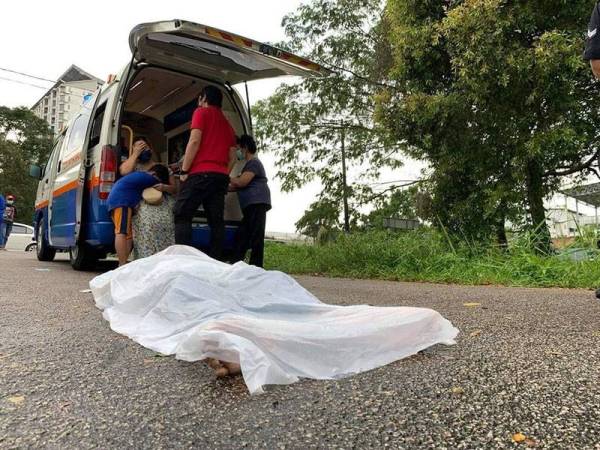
82, 257
43, 249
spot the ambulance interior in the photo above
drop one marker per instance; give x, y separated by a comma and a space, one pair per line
159, 105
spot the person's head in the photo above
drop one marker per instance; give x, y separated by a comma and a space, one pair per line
10, 199
146, 154
247, 145
160, 172
211, 96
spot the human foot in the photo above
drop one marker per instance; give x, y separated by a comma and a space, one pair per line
223, 369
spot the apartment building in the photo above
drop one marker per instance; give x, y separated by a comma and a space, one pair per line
64, 99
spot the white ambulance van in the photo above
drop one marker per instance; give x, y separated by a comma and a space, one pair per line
155, 96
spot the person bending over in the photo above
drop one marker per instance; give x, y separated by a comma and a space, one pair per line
124, 197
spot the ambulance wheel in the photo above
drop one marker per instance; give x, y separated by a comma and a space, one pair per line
43, 249
82, 257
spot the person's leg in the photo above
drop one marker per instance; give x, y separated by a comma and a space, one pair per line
2, 233
257, 236
242, 239
9, 226
188, 200
214, 205
123, 235
122, 247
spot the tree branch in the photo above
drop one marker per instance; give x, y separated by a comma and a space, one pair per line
393, 188
574, 169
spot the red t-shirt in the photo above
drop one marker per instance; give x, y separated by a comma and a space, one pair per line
217, 139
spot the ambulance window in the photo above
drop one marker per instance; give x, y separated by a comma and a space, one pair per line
97, 125
76, 134
50, 168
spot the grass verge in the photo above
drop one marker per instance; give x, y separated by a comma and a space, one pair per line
426, 255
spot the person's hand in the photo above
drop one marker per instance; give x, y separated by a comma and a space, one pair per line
182, 178
158, 187
138, 147
231, 188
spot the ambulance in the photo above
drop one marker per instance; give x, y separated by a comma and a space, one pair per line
154, 95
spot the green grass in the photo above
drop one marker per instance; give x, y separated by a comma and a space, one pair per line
427, 255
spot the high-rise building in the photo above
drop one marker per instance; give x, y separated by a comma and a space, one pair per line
64, 99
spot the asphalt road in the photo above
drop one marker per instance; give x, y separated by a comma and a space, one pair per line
527, 361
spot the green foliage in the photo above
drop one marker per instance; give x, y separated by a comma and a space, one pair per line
428, 255
495, 95
24, 139
320, 215
399, 204
302, 123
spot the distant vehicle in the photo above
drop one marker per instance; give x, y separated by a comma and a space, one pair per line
154, 95
21, 238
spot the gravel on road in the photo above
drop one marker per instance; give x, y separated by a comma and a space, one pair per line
527, 361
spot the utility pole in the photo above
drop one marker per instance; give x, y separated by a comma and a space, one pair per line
344, 181
341, 126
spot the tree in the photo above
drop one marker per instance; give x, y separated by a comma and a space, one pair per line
304, 123
321, 215
495, 95
401, 203
24, 139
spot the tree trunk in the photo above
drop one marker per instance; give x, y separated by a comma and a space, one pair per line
501, 235
535, 198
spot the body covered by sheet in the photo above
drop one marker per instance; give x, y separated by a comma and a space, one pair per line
181, 302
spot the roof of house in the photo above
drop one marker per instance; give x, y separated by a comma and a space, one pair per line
73, 73
589, 193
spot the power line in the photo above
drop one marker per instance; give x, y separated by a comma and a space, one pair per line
25, 83
27, 75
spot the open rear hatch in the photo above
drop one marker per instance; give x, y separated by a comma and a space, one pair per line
211, 53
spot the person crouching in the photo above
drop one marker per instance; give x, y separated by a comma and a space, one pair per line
124, 197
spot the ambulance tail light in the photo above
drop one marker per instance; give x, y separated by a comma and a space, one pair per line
108, 171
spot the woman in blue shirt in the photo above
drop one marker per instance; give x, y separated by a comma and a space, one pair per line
255, 200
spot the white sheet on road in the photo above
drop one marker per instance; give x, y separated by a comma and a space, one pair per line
181, 302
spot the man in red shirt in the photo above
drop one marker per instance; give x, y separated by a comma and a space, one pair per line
209, 157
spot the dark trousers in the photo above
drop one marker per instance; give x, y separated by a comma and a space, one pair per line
251, 234
208, 190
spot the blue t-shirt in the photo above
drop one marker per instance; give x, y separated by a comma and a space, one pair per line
257, 191
127, 191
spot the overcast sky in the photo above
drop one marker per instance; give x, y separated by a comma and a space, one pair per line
45, 38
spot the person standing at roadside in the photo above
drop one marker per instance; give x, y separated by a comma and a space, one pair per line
592, 53
592, 42
255, 200
2, 208
8, 218
209, 157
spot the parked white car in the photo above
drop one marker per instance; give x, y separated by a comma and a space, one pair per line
21, 238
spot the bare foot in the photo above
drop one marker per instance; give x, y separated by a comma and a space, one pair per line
233, 368
223, 369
